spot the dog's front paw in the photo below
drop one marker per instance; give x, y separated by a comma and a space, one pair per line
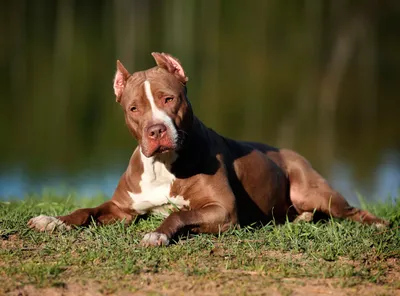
47, 223
382, 225
304, 217
154, 239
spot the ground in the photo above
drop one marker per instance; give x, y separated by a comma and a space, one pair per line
325, 258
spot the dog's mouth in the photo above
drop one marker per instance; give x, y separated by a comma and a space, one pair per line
154, 148
163, 149
172, 140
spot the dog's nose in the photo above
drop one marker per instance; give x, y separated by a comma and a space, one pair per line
156, 131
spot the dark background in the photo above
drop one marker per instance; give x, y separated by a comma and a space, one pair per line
321, 77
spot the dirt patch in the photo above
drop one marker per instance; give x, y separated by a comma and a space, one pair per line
216, 284
11, 241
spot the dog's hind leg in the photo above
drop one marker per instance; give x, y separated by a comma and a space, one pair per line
310, 192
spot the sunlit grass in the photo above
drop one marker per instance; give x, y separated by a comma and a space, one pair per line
343, 250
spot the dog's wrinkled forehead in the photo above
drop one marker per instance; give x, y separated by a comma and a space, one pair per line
161, 81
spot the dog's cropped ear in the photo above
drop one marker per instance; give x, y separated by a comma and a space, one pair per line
170, 64
120, 80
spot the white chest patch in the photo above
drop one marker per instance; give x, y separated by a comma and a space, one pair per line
155, 184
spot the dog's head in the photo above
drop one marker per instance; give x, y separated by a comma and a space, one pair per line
157, 111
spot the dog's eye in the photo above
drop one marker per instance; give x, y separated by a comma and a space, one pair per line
133, 109
169, 99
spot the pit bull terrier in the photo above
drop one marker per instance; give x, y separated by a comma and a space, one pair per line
200, 180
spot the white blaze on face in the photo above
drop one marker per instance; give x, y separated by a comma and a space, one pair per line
160, 115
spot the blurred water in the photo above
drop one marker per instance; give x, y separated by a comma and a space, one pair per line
320, 77
88, 183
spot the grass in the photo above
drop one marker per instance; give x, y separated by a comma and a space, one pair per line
332, 255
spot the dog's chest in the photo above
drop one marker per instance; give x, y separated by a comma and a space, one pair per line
155, 184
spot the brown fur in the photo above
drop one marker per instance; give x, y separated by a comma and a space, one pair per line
227, 182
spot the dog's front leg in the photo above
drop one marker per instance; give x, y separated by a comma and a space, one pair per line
106, 213
209, 219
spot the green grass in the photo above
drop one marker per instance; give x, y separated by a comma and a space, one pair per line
246, 261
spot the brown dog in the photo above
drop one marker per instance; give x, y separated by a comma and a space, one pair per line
199, 180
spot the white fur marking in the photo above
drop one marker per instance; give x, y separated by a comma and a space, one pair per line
306, 217
381, 226
47, 223
155, 239
155, 185
159, 114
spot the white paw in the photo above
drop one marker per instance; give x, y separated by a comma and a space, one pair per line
47, 223
306, 217
154, 239
381, 226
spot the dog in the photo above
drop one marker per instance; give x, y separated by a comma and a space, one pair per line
199, 180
